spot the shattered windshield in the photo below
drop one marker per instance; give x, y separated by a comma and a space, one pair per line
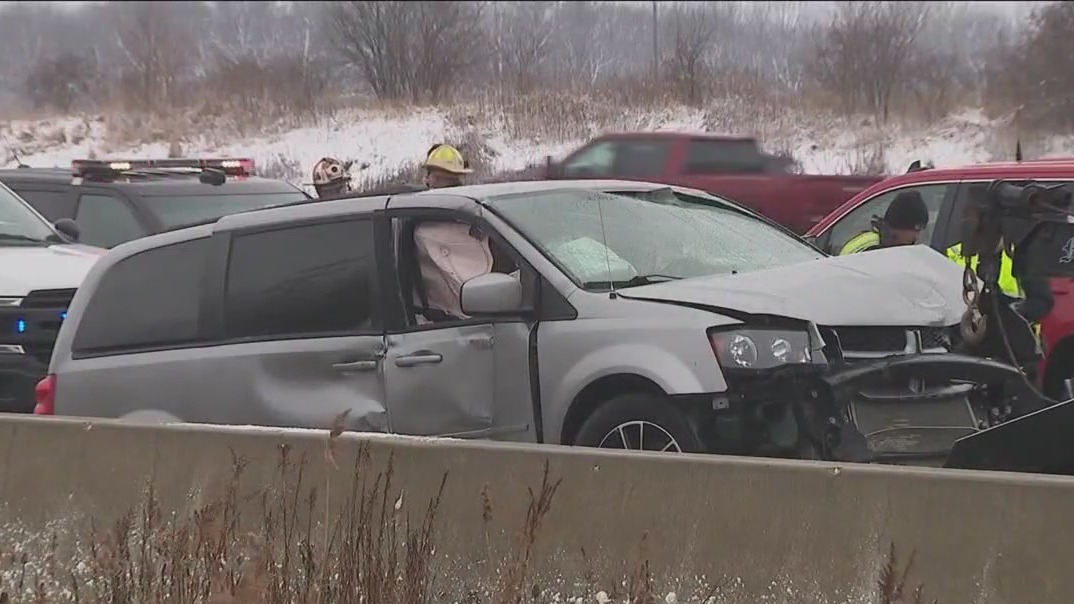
597, 238
19, 224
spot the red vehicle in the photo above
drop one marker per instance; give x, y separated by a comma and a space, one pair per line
946, 192
734, 168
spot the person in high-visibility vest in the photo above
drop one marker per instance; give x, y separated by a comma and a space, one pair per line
906, 216
1008, 284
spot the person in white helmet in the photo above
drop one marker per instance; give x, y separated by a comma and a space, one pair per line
331, 177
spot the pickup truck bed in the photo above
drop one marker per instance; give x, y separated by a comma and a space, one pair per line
734, 168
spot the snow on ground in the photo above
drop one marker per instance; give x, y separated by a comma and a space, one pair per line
387, 140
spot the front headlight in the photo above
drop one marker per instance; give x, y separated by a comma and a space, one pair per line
760, 348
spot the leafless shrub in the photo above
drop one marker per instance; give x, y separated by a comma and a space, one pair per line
62, 82
893, 586
512, 585
692, 31
282, 90
278, 544
1029, 77
153, 46
408, 50
865, 55
868, 159
282, 168
522, 43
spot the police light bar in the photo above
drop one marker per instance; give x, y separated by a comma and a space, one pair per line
232, 166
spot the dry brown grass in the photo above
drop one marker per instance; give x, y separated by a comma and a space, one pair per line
292, 551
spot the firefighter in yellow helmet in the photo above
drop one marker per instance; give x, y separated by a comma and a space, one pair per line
444, 167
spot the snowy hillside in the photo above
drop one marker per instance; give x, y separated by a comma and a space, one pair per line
388, 140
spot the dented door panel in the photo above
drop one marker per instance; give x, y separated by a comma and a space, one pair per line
440, 381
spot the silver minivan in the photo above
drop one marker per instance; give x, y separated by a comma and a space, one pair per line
600, 313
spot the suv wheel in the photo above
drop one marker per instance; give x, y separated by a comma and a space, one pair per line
639, 421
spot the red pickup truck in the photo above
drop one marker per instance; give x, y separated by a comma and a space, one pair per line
734, 168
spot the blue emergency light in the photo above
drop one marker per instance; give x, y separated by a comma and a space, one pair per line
20, 324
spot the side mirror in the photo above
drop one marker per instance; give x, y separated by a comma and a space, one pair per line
68, 228
491, 294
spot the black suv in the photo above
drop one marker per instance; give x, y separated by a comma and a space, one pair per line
114, 201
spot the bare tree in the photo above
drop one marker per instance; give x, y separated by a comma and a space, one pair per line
522, 41
413, 50
149, 36
1045, 87
692, 33
866, 53
61, 82
581, 55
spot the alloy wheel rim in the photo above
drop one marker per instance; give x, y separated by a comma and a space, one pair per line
640, 435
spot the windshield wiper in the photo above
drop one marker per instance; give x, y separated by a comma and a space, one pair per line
17, 237
634, 282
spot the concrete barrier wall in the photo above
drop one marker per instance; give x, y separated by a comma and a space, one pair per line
796, 532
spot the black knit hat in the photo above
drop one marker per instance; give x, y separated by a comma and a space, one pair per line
907, 211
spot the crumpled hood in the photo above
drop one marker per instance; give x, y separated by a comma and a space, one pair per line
24, 268
908, 285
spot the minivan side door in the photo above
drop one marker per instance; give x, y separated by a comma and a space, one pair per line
297, 315
469, 377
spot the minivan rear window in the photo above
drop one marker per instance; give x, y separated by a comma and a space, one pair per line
147, 300
176, 211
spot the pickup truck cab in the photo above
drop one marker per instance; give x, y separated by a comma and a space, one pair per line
41, 266
731, 167
946, 192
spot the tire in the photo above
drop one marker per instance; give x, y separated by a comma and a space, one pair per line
631, 412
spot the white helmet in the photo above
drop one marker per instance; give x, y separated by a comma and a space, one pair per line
328, 171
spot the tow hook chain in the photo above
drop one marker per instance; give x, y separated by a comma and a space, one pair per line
972, 326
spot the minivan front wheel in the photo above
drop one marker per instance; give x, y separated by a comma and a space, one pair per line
645, 422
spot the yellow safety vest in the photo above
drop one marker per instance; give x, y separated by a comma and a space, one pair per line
1007, 282
861, 242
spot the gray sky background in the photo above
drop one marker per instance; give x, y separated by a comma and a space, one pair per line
1011, 7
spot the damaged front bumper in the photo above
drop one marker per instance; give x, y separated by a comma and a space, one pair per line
950, 410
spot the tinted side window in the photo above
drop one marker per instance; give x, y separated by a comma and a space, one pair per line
106, 221
53, 204
723, 157
595, 160
860, 218
641, 157
317, 279
150, 299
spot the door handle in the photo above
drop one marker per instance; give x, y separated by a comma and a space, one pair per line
421, 358
355, 366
